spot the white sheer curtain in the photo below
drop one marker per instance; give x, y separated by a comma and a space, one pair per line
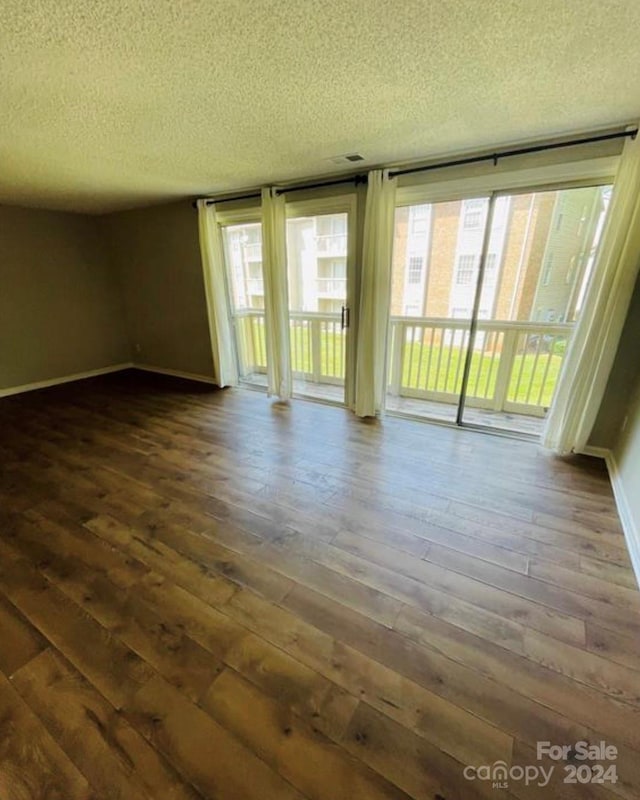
375, 292
276, 294
225, 367
595, 339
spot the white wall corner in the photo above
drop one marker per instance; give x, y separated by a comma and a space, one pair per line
631, 532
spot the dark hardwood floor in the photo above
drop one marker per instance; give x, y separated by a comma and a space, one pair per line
206, 595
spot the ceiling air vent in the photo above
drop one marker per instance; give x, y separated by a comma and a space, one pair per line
349, 158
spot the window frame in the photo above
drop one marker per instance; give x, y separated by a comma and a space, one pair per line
573, 175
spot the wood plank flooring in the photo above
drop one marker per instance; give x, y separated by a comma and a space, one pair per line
207, 595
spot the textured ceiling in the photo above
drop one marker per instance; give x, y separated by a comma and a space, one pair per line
110, 104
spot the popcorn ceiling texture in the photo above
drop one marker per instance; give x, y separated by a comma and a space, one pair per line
110, 104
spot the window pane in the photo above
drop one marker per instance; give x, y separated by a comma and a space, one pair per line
243, 250
317, 262
243, 256
414, 269
465, 270
434, 275
541, 251
317, 277
543, 246
435, 258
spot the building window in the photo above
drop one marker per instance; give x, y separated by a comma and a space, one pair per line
418, 230
331, 225
464, 273
583, 220
330, 234
414, 269
326, 306
473, 213
490, 269
472, 219
419, 218
243, 253
332, 276
546, 275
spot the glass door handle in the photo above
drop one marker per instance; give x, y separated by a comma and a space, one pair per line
344, 317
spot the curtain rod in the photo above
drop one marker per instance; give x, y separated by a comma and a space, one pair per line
458, 162
357, 179
521, 151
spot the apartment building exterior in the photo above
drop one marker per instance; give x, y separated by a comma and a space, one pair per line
540, 250
541, 247
317, 263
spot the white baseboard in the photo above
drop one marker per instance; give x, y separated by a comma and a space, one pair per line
92, 373
596, 452
175, 373
78, 376
629, 526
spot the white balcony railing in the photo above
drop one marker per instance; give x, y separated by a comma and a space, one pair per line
253, 251
514, 367
317, 345
334, 244
255, 286
332, 287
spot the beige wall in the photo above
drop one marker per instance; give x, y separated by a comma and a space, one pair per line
157, 256
627, 456
60, 306
624, 376
61, 301
618, 424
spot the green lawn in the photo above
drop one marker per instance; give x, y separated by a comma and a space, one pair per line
331, 352
437, 369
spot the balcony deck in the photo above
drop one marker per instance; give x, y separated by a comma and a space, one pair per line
427, 409
513, 371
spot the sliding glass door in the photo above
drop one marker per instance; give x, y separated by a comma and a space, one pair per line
536, 272
318, 267
243, 254
485, 294
436, 256
320, 245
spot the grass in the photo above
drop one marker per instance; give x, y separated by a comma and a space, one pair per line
439, 369
532, 381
